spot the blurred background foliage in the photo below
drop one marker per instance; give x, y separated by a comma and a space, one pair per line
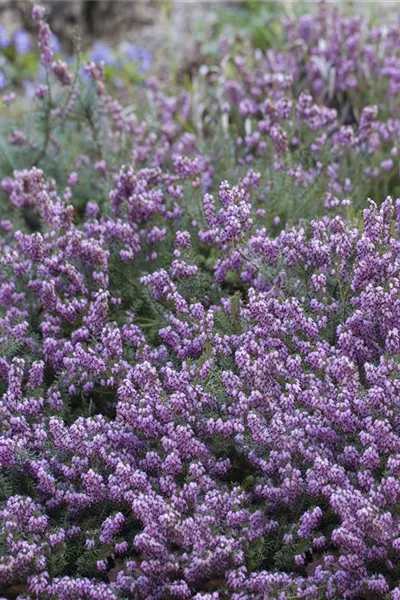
132, 37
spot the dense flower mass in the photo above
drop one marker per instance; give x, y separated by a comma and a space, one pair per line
199, 326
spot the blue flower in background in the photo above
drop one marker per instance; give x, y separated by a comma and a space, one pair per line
22, 42
141, 56
147, 59
29, 87
5, 39
55, 43
131, 51
102, 52
3, 81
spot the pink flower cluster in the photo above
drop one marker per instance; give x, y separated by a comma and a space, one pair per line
264, 424
200, 392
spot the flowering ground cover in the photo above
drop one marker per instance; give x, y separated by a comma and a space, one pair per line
199, 323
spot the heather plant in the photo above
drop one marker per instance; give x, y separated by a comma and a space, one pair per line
251, 110
199, 340
343, 60
251, 451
